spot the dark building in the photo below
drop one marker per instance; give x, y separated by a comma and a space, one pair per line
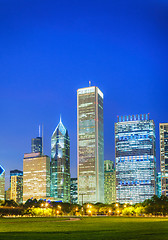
36, 145
74, 191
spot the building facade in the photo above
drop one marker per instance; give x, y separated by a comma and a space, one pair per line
8, 194
36, 176
60, 164
90, 145
16, 186
135, 158
163, 127
74, 191
158, 184
2, 183
16, 172
36, 145
109, 182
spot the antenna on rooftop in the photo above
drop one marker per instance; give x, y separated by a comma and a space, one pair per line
42, 139
89, 83
39, 130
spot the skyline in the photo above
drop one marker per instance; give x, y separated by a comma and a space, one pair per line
49, 50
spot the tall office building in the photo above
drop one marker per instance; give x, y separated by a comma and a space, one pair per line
2, 183
164, 157
74, 191
60, 164
109, 182
36, 145
158, 185
36, 176
135, 158
90, 145
16, 186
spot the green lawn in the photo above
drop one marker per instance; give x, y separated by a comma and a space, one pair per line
86, 228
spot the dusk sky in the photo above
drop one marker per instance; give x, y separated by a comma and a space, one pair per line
49, 49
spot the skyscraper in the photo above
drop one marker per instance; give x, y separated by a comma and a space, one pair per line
90, 145
16, 186
109, 182
60, 164
158, 185
164, 157
2, 183
36, 145
135, 158
36, 176
74, 191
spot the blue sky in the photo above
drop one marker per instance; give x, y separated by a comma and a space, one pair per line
49, 49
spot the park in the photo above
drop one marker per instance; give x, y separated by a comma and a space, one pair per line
100, 227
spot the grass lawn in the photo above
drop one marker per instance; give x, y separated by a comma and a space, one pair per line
86, 228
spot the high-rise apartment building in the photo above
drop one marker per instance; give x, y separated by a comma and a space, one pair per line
135, 158
2, 183
90, 145
60, 164
36, 145
74, 191
109, 182
36, 176
16, 186
164, 157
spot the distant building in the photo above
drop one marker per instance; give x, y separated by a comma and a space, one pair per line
109, 182
158, 184
164, 157
36, 176
36, 145
16, 186
135, 158
90, 145
60, 164
8, 194
74, 191
2, 183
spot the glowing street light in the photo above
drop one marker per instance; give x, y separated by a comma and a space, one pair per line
116, 205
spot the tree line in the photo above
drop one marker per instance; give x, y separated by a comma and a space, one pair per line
156, 206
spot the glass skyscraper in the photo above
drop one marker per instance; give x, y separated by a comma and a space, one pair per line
36, 145
164, 157
135, 158
90, 145
109, 182
2, 183
60, 164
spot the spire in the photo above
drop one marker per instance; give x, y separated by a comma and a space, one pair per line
60, 119
89, 83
